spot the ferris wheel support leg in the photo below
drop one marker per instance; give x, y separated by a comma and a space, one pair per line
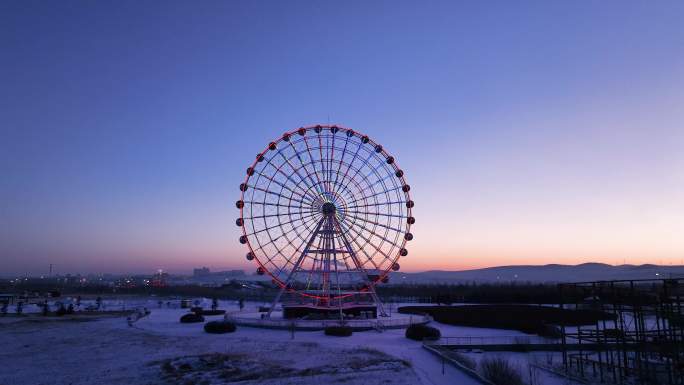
295, 267
381, 308
362, 271
275, 301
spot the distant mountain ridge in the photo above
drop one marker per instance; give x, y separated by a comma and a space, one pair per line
551, 273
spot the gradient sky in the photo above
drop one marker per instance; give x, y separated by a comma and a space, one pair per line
531, 132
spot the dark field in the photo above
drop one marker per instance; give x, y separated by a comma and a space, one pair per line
525, 318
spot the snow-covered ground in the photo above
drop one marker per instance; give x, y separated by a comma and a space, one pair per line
391, 342
158, 349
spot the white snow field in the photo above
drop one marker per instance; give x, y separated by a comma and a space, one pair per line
158, 349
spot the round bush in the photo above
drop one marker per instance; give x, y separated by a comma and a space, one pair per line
212, 312
422, 332
219, 327
338, 331
191, 318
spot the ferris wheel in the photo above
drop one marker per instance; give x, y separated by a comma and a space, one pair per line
325, 211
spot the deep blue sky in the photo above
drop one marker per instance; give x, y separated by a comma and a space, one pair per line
531, 132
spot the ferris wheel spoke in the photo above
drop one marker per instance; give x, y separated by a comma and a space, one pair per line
377, 224
351, 163
296, 185
365, 163
375, 265
381, 181
315, 185
362, 249
296, 171
282, 269
353, 219
331, 158
301, 257
279, 225
313, 161
278, 168
339, 186
269, 192
358, 234
299, 235
298, 250
323, 161
341, 161
372, 233
270, 215
310, 198
380, 193
381, 214
354, 240
378, 204
278, 183
306, 170
272, 241
269, 204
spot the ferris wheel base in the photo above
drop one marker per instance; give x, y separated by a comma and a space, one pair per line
356, 311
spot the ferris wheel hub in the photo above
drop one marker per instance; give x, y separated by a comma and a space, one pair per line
328, 208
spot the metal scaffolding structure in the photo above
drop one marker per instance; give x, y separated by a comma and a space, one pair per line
641, 342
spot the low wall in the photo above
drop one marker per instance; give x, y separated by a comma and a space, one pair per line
312, 325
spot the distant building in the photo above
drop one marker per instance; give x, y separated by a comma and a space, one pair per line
159, 279
230, 273
205, 277
125, 283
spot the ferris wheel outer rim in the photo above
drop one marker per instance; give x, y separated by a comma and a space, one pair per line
382, 151
394, 165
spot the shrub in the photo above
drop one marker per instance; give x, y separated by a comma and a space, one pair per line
219, 327
420, 332
500, 372
191, 318
196, 309
211, 312
338, 331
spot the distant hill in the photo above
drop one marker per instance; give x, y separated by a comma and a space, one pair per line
542, 273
